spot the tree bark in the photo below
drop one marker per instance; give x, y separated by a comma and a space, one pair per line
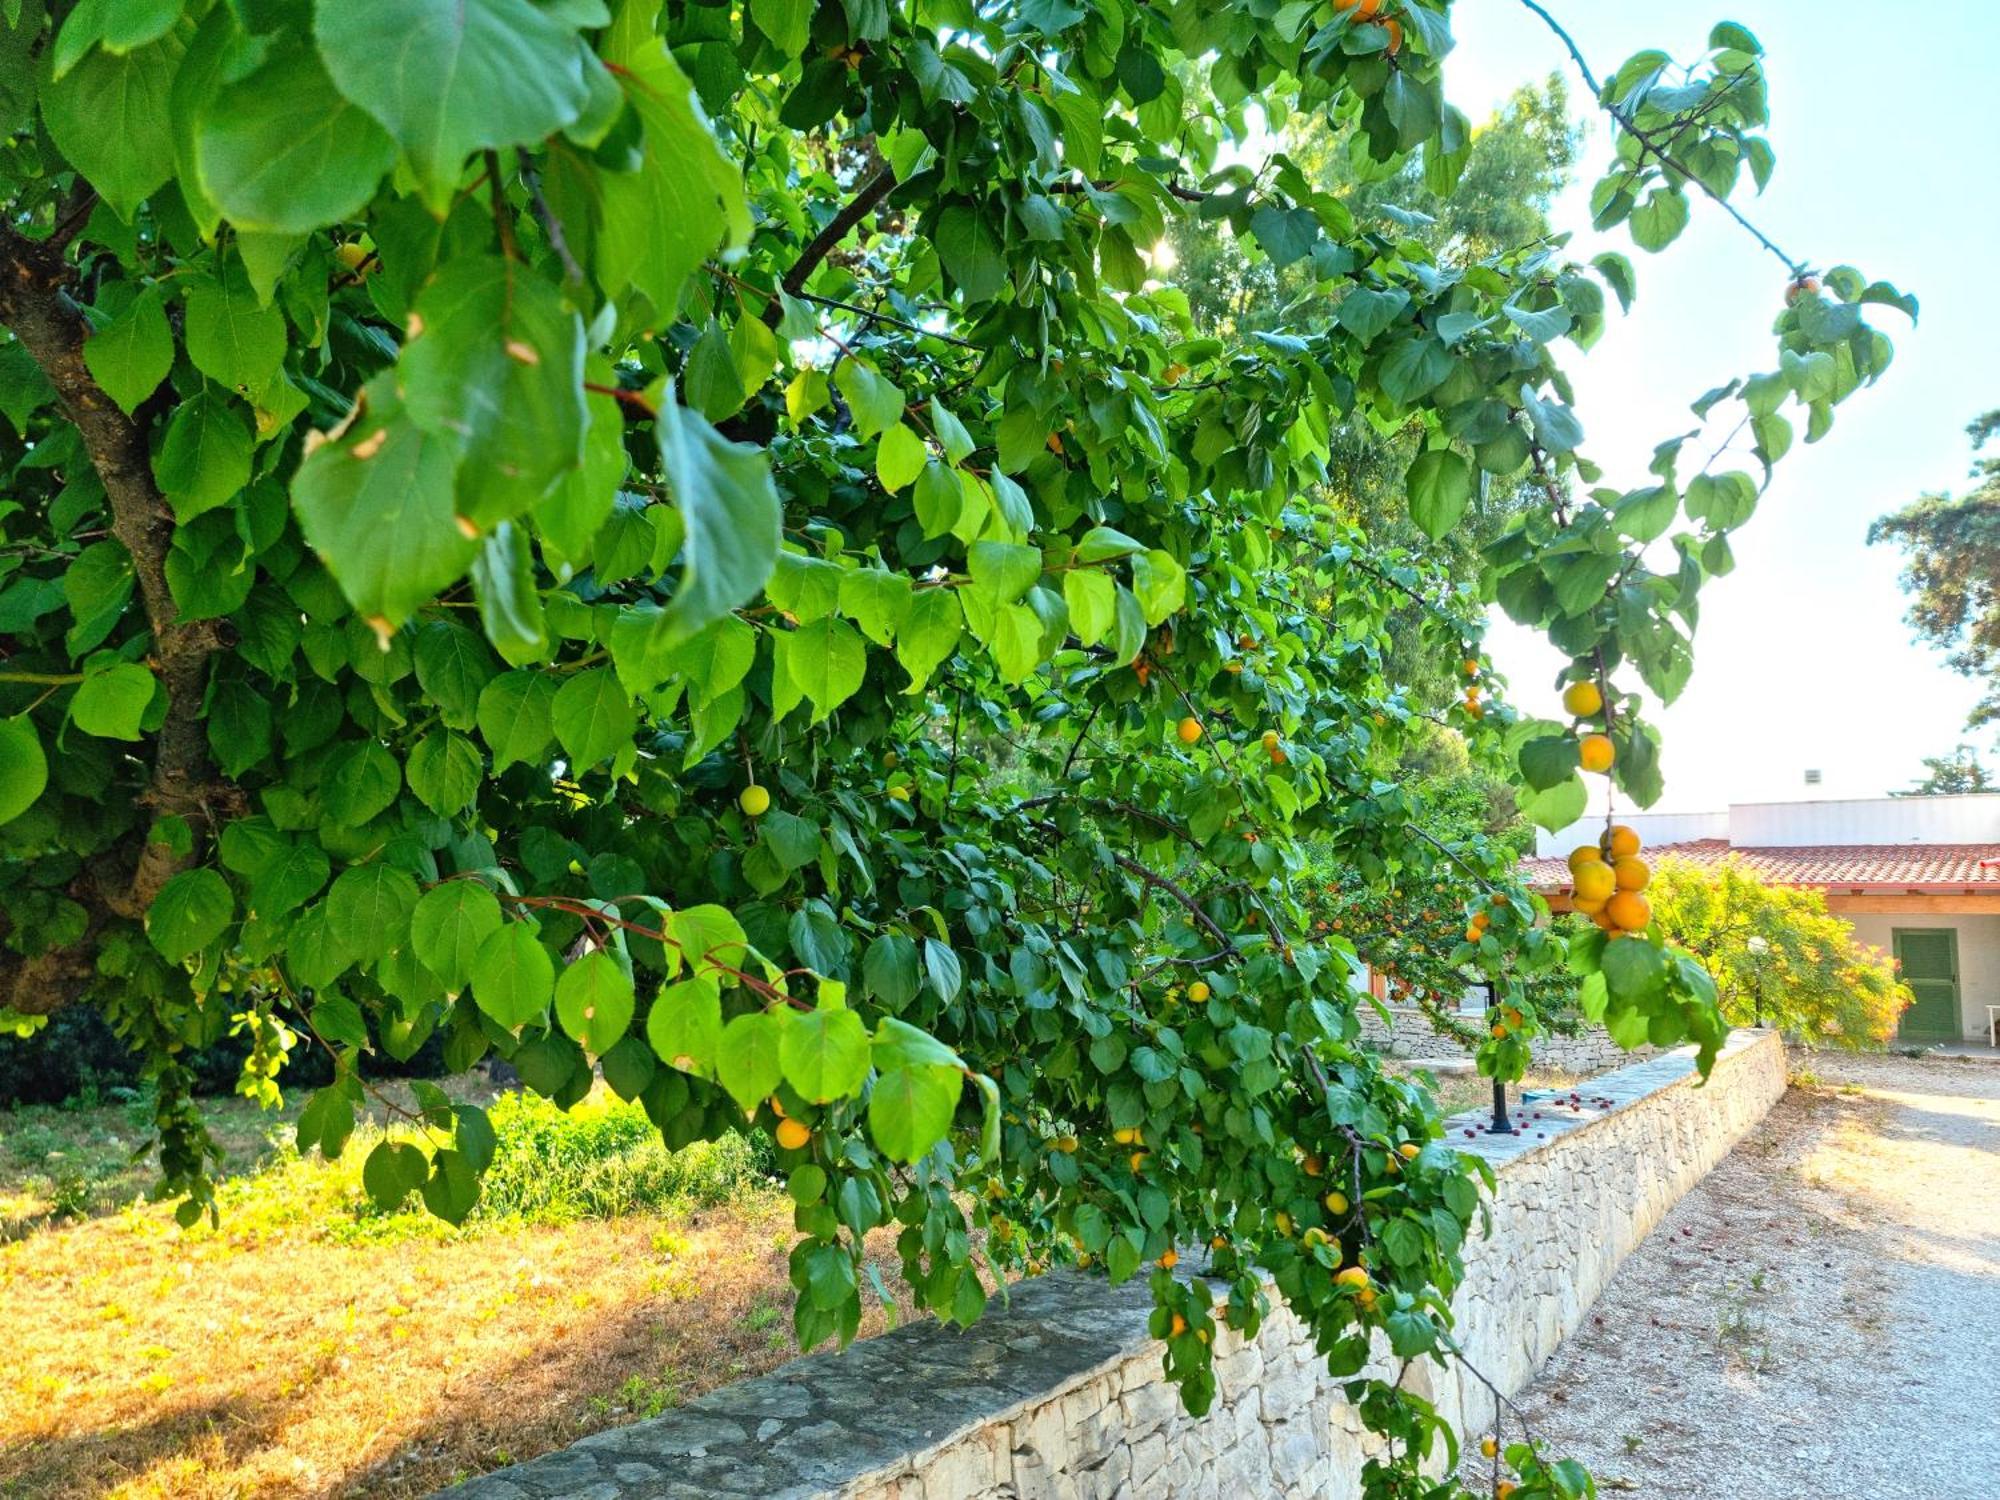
35, 305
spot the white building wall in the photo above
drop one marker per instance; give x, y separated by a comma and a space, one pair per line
1971, 819
1978, 958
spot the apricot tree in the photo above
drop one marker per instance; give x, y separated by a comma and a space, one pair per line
676, 541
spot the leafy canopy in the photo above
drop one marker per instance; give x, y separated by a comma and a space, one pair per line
456, 450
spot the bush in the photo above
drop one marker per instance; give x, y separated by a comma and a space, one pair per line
1777, 955
605, 1158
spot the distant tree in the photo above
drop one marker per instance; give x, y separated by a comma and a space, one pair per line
1777, 955
1961, 771
1954, 569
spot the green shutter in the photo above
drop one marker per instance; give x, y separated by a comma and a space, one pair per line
1930, 968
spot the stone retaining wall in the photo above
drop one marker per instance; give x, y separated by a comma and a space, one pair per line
1408, 1033
1061, 1395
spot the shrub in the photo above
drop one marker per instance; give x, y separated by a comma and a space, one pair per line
1808, 975
605, 1158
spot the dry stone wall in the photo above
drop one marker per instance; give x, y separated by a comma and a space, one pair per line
1408, 1033
1060, 1396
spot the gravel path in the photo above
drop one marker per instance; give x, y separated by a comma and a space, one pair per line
1820, 1317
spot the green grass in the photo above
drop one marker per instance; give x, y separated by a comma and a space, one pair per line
601, 1160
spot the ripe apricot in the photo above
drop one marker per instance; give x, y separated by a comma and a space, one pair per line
1629, 911
1595, 882
1488, 1448
1336, 1203
1409, 1150
1170, 1260
1354, 1276
1137, 1162
1582, 700
1125, 1137
792, 1135
1620, 841
1178, 1327
1189, 729
1632, 873
1595, 752
1198, 992
1584, 854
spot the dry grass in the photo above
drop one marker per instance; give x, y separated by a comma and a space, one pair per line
312, 1347
1458, 1092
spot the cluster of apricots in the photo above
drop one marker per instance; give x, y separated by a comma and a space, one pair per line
1608, 880
1584, 702
1473, 705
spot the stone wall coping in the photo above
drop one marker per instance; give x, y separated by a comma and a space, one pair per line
887, 1406
1559, 1119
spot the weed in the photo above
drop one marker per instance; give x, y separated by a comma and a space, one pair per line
1633, 1442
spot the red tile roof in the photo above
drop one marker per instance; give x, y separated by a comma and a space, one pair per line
1927, 868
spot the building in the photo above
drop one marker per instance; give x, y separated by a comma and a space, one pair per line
1918, 877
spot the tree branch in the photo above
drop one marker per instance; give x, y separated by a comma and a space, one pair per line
35, 305
820, 246
1652, 148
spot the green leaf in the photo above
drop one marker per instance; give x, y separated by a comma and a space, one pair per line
494, 361
287, 880
453, 1188
1365, 313
205, 458
1159, 583
1002, 571
874, 402
747, 1058
971, 252
517, 716
788, 23
824, 1053
230, 337
1092, 598
368, 910
683, 200
889, 970
393, 1171
731, 517
594, 1001
132, 353
450, 77
593, 718
445, 771
453, 667
450, 925
513, 976
109, 117
930, 635
900, 457
24, 768
119, 25
1635, 972
910, 1109
1439, 485
709, 938
1658, 222
359, 783
1557, 807
282, 152
377, 508
112, 702
326, 1121
191, 911
684, 1026
826, 661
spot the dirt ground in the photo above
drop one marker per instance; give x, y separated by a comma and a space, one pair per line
277, 1358
1820, 1317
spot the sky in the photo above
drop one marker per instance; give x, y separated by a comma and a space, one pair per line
1885, 139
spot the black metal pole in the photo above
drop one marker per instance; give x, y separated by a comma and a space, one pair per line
1501, 1124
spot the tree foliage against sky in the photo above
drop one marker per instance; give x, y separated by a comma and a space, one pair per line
687, 542
1953, 569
